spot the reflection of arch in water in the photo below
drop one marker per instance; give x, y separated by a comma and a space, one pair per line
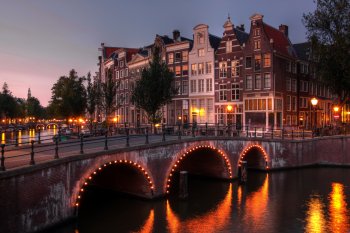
213, 221
128, 163
40, 126
52, 126
256, 157
176, 165
148, 225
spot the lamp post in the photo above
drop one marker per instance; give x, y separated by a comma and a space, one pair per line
229, 114
314, 102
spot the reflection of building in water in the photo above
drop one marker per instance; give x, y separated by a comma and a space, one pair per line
338, 212
213, 221
315, 217
148, 226
256, 207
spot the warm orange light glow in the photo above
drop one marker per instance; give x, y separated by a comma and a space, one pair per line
336, 109
229, 108
148, 225
315, 217
339, 221
314, 101
70, 120
115, 119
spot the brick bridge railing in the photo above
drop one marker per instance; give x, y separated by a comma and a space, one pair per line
49, 190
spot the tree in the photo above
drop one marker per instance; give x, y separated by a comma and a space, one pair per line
109, 96
155, 88
34, 109
91, 97
8, 103
329, 32
68, 96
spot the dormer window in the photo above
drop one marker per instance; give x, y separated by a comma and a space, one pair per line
229, 46
257, 45
200, 37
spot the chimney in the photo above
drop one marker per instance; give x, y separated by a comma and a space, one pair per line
284, 29
241, 27
176, 35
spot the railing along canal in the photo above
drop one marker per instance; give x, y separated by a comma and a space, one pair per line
17, 154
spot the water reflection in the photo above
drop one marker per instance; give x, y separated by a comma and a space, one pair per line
338, 212
28, 135
148, 226
213, 221
315, 216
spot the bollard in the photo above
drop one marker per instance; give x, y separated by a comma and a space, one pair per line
56, 148
193, 135
127, 138
206, 128
303, 135
255, 132
81, 144
106, 140
282, 133
292, 135
59, 135
163, 133
243, 173
2, 165
263, 132
183, 194
16, 135
39, 141
146, 142
246, 129
32, 162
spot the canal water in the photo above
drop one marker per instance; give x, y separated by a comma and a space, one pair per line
25, 136
303, 200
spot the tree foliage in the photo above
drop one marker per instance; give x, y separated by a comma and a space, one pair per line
34, 108
329, 32
91, 95
68, 96
155, 88
109, 95
8, 103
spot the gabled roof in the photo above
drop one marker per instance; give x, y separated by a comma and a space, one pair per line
241, 36
280, 41
108, 51
214, 41
303, 50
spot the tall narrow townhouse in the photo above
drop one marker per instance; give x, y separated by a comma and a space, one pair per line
138, 62
122, 75
270, 89
201, 77
229, 75
177, 60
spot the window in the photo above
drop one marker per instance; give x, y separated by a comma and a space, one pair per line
194, 69
248, 62
294, 68
235, 68
249, 82
185, 87
257, 83
200, 68
257, 32
235, 91
257, 62
257, 44
288, 84
288, 120
294, 85
121, 64
121, 85
185, 70
126, 84
208, 67
210, 106
267, 81
229, 46
294, 103
178, 87
222, 69
184, 56
200, 52
201, 85
177, 57
171, 69
171, 58
288, 66
222, 95
288, 102
200, 38
121, 72
126, 98
177, 71
117, 74
267, 60
193, 86
209, 85
126, 72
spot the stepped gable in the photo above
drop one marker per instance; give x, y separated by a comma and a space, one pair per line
303, 50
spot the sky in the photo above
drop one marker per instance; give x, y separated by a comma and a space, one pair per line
41, 40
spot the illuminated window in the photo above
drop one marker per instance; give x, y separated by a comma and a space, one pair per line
171, 58
193, 86
209, 85
267, 60
200, 38
257, 45
200, 68
249, 82
222, 69
201, 85
229, 46
257, 62
257, 84
201, 52
185, 70
222, 95
257, 32
194, 69
177, 71
235, 68
184, 56
267, 81
208, 67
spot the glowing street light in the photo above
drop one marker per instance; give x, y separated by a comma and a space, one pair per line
314, 102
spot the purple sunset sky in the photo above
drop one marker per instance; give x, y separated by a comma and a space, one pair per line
41, 40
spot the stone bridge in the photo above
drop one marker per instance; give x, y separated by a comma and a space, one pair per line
36, 197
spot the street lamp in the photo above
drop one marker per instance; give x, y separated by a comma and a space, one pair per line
229, 111
314, 102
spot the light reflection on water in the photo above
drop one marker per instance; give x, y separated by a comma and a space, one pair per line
28, 135
273, 203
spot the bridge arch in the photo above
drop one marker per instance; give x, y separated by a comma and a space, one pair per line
256, 157
192, 151
40, 126
84, 182
49, 125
